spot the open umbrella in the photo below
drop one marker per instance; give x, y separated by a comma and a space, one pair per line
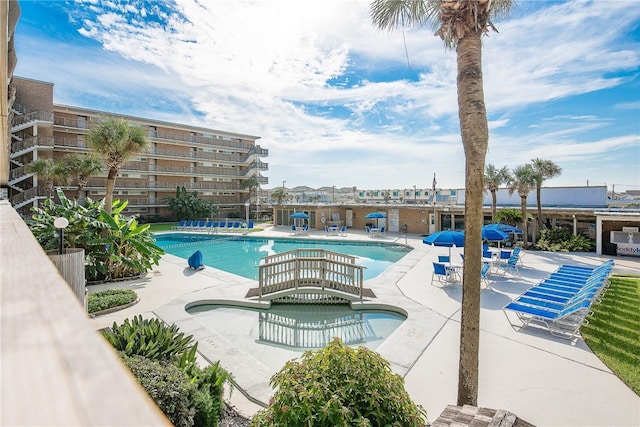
298, 215
376, 216
494, 235
505, 228
447, 238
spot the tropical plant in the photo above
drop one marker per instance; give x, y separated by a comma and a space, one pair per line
81, 167
544, 169
117, 141
279, 195
523, 180
493, 179
152, 339
339, 386
562, 239
110, 298
509, 216
115, 245
168, 386
49, 171
460, 24
188, 206
251, 184
129, 248
209, 399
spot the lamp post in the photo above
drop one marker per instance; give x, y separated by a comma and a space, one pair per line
414, 195
333, 197
246, 211
61, 223
283, 184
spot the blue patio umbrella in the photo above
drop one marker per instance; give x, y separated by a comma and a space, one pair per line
376, 216
447, 238
494, 235
505, 228
299, 215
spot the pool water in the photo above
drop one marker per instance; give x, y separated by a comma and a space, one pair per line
284, 331
241, 255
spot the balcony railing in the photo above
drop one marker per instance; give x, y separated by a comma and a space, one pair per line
42, 116
34, 141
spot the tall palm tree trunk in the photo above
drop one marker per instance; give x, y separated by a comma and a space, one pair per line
523, 209
111, 183
475, 138
539, 203
494, 202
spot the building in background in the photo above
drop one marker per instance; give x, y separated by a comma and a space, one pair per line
212, 162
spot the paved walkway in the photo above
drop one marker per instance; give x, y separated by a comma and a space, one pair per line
544, 380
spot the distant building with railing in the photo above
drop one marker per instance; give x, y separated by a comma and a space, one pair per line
215, 163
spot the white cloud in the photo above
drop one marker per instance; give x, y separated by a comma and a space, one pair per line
262, 67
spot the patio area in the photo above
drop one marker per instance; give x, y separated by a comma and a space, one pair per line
540, 378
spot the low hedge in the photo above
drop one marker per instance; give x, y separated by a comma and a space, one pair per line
110, 298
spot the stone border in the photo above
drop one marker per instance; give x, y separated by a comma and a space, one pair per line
113, 309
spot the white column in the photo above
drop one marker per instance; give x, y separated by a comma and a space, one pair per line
598, 235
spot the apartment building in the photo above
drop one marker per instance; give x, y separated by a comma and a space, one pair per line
212, 162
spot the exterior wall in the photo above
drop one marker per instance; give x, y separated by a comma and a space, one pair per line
212, 162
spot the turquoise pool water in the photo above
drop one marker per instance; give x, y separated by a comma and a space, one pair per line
283, 331
242, 254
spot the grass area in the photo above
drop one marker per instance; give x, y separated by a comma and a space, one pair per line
613, 331
161, 226
156, 227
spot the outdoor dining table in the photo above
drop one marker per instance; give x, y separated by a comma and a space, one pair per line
456, 270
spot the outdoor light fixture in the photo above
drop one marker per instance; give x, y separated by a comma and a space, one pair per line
61, 223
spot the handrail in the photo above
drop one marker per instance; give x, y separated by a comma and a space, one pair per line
308, 267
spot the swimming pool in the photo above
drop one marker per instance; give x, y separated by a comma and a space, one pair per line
241, 255
283, 331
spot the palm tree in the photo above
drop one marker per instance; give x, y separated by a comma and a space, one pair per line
279, 195
493, 179
523, 180
544, 169
460, 24
117, 141
251, 184
49, 171
82, 166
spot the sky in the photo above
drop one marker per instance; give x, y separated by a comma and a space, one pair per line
339, 102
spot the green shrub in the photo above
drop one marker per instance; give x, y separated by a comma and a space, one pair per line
168, 386
339, 386
209, 402
562, 239
110, 298
153, 339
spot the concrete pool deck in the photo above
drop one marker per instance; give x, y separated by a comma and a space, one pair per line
544, 380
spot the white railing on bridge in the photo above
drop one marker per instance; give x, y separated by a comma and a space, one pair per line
309, 267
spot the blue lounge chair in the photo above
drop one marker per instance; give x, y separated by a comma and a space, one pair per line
563, 323
195, 261
250, 224
180, 225
343, 230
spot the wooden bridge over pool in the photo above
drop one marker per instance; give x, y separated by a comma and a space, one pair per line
310, 275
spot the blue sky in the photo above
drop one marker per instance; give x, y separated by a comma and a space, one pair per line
339, 102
